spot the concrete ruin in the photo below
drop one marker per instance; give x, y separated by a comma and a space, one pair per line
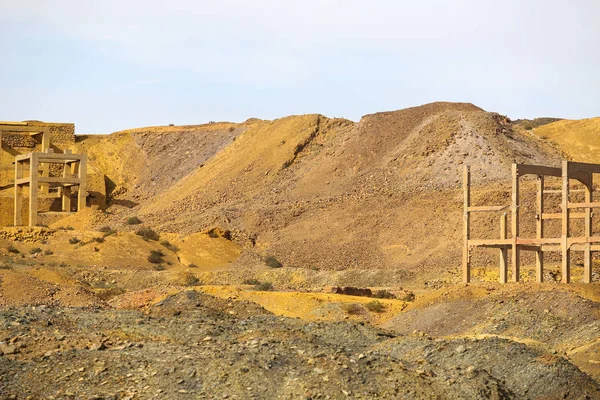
569, 173
36, 155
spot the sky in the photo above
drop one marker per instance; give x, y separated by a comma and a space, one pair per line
109, 65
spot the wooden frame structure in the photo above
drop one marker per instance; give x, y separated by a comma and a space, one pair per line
74, 174
587, 243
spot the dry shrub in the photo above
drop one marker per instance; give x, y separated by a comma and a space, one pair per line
155, 257
353, 308
384, 294
187, 278
264, 286
147, 234
375, 306
133, 221
273, 262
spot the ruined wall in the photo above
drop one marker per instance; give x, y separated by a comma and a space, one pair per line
62, 137
60, 133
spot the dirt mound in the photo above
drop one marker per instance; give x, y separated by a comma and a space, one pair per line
39, 287
551, 317
579, 139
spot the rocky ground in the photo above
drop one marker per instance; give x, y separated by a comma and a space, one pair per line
191, 345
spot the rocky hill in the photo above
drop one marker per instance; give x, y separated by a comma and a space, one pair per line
318, 192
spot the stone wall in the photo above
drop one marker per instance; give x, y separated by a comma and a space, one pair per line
60, 133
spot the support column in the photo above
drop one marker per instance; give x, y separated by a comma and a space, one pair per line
566, 252
82, 193
539, 230
45, 166
66, 190
503, 251
587, 255
18, 208
515, 224
466, 264
33, 189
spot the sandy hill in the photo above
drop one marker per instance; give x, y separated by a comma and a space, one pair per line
578, 139
321, 193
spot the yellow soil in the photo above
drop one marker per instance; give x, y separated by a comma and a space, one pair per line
309, 306
205, 252
579, 139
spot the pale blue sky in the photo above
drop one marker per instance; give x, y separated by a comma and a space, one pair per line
115, 64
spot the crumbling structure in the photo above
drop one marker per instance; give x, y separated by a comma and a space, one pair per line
74, 174
587, 243
31, 149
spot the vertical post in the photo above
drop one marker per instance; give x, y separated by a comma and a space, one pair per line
33, 189
539, 230
515, 223
45, 166
18, 219
566, 253
466, 227
587, 256
66, 190
503, 251
82, 192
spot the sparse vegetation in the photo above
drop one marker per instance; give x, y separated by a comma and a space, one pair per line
147, 233
170, 246
48, 252
12, 249
35, 250
133, 221
407, 296
108, 233
156, 257
187, 278
384, 294
375, 306
264, 286
158, 267
98, 239
353, 308
74, 240
273, 262
212, 234
105, 229
253, 282
192, 265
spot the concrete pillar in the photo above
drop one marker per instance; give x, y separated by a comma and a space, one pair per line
566, 252
539, 229
33, 189
18, 207
45, 166
503, 251
466, 226
66, 190
82, 194
515, 224
587, 256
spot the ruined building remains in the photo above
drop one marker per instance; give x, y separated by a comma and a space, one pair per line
39, 175
574, 187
